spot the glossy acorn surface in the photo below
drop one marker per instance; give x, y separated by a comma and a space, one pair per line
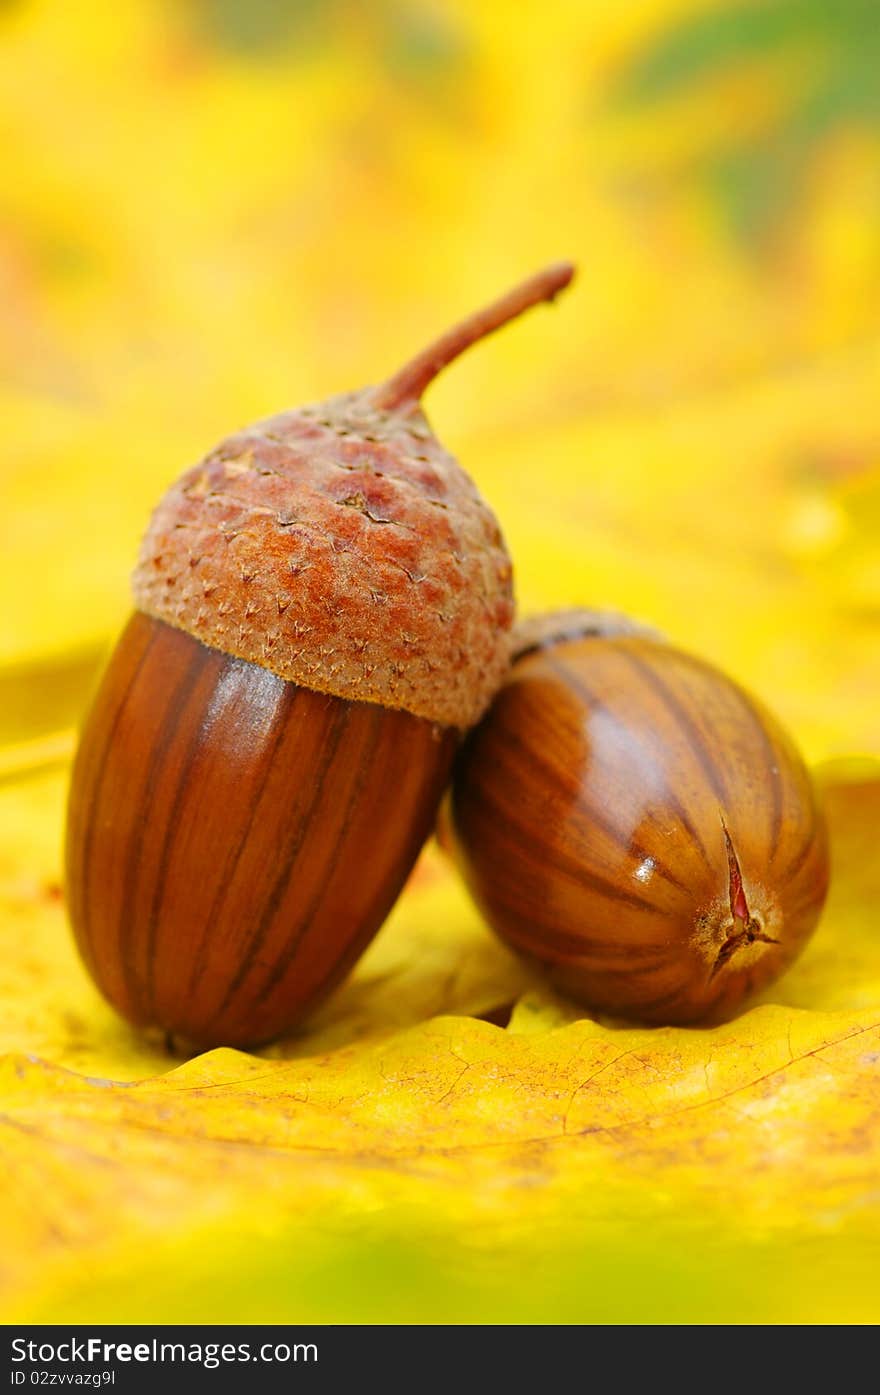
240, 839
633, 820
323, 606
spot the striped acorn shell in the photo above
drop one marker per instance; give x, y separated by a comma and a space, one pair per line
635, 821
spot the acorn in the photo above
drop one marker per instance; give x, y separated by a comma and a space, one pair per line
322, 608
632, 820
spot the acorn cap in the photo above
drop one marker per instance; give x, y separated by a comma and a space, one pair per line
341, 547
543, 631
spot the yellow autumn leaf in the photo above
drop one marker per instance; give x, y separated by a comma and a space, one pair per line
209, 213
442, 1147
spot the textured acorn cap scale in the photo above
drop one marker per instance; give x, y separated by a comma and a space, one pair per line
546, 629
341, 547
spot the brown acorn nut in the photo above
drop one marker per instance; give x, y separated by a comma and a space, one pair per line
633, 820
323, 606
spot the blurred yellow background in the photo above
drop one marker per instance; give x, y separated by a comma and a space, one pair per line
213, 209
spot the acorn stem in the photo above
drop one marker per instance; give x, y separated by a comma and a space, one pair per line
407, 385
